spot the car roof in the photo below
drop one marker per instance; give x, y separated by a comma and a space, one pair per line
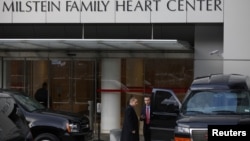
221, 81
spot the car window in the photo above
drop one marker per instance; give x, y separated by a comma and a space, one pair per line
199, 101
243, 103
164, 102
28, 103
217, 102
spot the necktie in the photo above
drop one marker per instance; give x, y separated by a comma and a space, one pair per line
147, 115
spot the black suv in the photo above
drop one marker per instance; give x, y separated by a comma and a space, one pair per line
49, 125
219, 99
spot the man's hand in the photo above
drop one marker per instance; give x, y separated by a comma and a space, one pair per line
133, 132
142, 117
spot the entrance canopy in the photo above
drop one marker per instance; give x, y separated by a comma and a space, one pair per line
90, 47
93, 45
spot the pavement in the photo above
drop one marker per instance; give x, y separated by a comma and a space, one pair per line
102, 137
113, 135
106, 137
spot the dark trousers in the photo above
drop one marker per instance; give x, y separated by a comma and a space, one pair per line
146, 132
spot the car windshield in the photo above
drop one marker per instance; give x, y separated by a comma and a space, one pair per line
28, 103
217, 102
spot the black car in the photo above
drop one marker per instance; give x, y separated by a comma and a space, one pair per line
49, 125
13, 126
214, 100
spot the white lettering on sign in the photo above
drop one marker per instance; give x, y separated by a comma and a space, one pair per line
216, 132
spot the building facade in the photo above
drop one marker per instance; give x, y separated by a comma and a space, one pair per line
103, 51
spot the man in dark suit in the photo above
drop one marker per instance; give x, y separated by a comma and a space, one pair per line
130, 129
145, 117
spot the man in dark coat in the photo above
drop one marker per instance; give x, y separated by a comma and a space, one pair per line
130, 129
145, 117
41, 95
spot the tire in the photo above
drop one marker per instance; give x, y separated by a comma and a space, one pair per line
46, 137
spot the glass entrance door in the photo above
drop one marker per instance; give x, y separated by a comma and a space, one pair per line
72, 84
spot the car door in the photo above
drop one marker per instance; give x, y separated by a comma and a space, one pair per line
164, 113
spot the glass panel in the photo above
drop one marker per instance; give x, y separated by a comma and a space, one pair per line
132, 82
24, 75
37, 74
14, 74
83, 81
175, 74
59, 84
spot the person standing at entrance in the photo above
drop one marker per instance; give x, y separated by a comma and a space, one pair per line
130, 129
145, 117
41, 95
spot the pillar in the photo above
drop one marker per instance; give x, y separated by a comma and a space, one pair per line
110, 100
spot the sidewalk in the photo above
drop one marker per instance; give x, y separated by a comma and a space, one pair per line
103, 137
106, 137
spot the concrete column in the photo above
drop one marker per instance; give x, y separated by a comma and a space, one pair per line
236, 37
110, 101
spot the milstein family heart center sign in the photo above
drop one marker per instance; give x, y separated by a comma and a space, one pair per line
110, 11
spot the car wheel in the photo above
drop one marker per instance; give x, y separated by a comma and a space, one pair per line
46, 137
